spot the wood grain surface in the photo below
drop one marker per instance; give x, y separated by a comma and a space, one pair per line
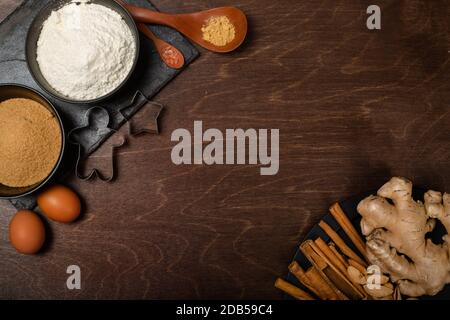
353, 106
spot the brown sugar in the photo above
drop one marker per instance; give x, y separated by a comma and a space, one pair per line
219, 31
30, 142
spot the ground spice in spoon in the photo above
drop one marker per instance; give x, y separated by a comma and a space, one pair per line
30, 142
219, 31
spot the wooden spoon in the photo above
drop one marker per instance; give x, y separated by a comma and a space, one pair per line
190, 24
171, 56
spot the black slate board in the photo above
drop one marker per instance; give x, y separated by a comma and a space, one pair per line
150, 76
349, 207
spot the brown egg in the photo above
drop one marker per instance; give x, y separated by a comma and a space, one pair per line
27, 232
60, 204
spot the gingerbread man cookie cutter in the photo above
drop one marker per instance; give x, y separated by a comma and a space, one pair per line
97, 123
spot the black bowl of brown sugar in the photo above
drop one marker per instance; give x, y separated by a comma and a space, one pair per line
32, 141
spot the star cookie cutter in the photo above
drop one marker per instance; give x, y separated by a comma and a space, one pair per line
145, 119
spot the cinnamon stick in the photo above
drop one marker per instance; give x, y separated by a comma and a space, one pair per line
301, 276
337, 277
336, 252
292, 290
336, 257
321, 266
342, 219
316, 278
312, 280
341, 243
330, 255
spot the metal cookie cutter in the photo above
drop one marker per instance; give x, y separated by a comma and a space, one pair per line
96, 125
145, 120
141, 117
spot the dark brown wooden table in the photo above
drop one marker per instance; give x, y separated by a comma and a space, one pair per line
353, 106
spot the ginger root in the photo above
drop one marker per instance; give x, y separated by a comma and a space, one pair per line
395, 227
385, 290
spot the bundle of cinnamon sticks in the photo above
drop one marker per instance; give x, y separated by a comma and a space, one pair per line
335, 267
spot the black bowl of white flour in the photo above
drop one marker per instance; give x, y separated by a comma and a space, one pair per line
82, 51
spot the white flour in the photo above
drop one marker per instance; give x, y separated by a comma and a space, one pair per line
85, 51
